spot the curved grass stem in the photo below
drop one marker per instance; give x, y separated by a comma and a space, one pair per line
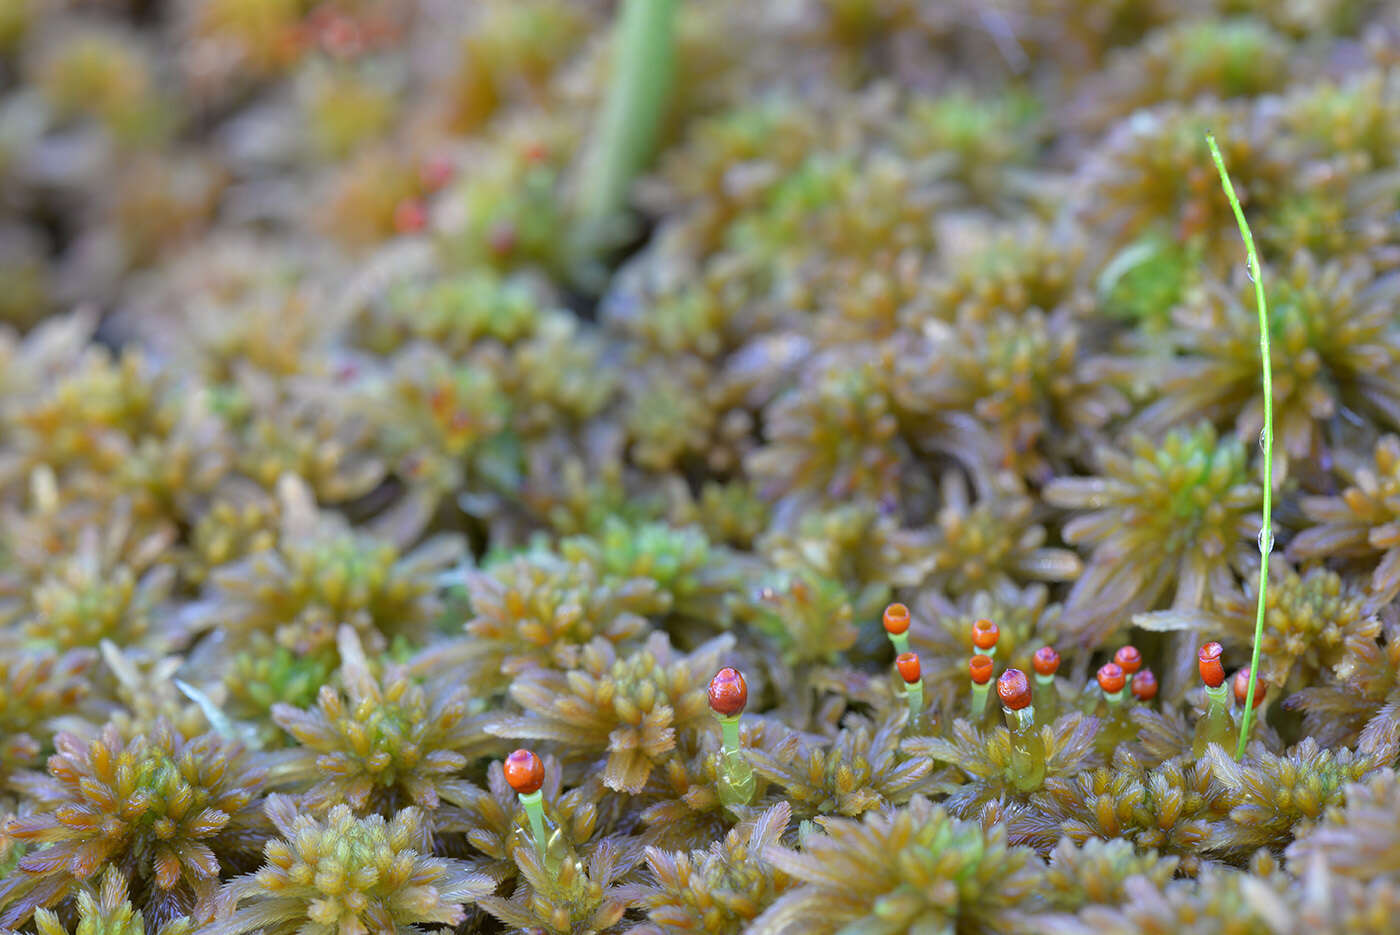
1266, 535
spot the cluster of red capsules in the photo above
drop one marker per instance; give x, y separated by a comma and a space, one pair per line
729, 693
1013, 687
1126, 671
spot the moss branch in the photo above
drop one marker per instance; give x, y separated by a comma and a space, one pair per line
1266, 534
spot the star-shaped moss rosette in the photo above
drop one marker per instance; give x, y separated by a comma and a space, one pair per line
347, 874
1362, 524
42, 686
1274, 797
720, 890
117, 427
1185, 61
984, 758
1216, 901
630, 708
381, 742
1332, 344
682, 799
691, 575
1167, 521
323, 574
1172, 808
108, 911
858, 544
175, 811
807, 617
1358, 702
835, 439
85, 597
1357, 839
493, 820
863, 769
543, 610
912, 868
1028, 378
590, 896
1096, 872
994, 542
1153, 170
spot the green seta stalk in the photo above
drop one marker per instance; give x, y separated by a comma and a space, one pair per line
525, 774
1026, 770
729, 694
909, 670
1046, 663
896, 621
1215, 725
979, 669
1115, 724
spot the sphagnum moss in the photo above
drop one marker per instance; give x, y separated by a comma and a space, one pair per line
939, 308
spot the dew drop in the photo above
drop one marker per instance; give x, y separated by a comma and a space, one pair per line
1264, 441
1266, 541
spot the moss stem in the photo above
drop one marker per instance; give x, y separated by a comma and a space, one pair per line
1266, 535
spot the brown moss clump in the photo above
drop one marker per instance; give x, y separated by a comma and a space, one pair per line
168, 811
382, 742
348, 874
1360, 523
344, 448
918, 864
632, 708
720, 890
1165, 521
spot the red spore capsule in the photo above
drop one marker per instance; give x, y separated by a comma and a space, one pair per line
1046, 661
410, 216
1242, 687
980, 668
908, 665
1145, 685
896, 619
1209, 664
524, 772
728, 692
984, 634
1128, 659
1111, 677
1014, 689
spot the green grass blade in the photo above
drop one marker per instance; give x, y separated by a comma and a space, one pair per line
1266, 535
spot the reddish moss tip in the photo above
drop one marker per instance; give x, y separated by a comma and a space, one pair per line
524, 772
908, 665
984, 634
1046, 661
1014, 689
1145, 685
980, 668
728, 692
1128, 659
896, 619
1242, 687
1209, 664
1111, 677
